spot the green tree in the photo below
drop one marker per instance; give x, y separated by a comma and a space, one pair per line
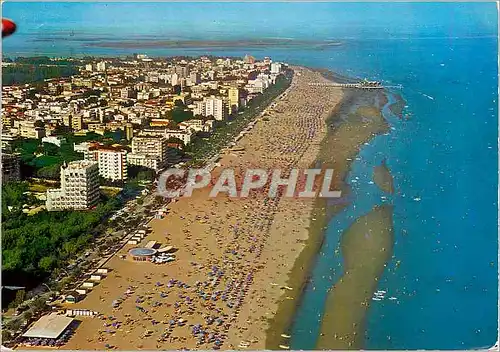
47, 263
50, 149
14, 324
6, 336
27, 315
178, 114
39, 304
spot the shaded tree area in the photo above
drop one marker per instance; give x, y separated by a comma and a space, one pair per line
35, 245
28, 73
178, 114
44, 160
140, 173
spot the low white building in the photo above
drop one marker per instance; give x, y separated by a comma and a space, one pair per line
149, 161
185, 136
56, 140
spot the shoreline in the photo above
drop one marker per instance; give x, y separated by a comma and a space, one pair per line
323, 212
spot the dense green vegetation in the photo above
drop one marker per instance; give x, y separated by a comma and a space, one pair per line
43, 160
35, 71
139, 173
39, 243
203, 148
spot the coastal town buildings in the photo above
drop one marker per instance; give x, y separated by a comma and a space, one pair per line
30, 129
79, 187
150, 152
138, 103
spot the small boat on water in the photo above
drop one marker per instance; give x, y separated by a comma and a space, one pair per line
417, 199
381, 291
285, 336
376, 299
284, 347
392, 298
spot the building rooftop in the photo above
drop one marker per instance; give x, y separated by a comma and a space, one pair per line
49, 326
81, 164
142, 252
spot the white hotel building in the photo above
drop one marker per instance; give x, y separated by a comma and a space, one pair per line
211, 106
79, 187
112, 160
112, 163
150, 152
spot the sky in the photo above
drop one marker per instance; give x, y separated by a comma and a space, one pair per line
39, 20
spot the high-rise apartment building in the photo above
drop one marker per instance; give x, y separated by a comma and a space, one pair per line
79, 187
215, 107
112, 163
234, 99
101, 66
147, 149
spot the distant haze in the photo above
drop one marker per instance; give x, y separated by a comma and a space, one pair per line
40, 24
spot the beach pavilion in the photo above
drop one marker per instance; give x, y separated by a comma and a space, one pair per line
50, 326
142, 254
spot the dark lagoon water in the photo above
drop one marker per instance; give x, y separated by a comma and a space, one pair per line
444, 159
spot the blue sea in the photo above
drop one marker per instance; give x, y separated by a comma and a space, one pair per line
444, 158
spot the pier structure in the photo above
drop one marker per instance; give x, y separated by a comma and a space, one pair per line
359, 85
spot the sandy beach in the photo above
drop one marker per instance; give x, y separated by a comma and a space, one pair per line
234, 255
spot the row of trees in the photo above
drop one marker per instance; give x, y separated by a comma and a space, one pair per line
21, 74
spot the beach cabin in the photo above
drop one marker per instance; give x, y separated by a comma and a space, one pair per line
132, 242
96, 277
142, 232
73, 297
88, 284
80, 312
81, 291
102, 270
